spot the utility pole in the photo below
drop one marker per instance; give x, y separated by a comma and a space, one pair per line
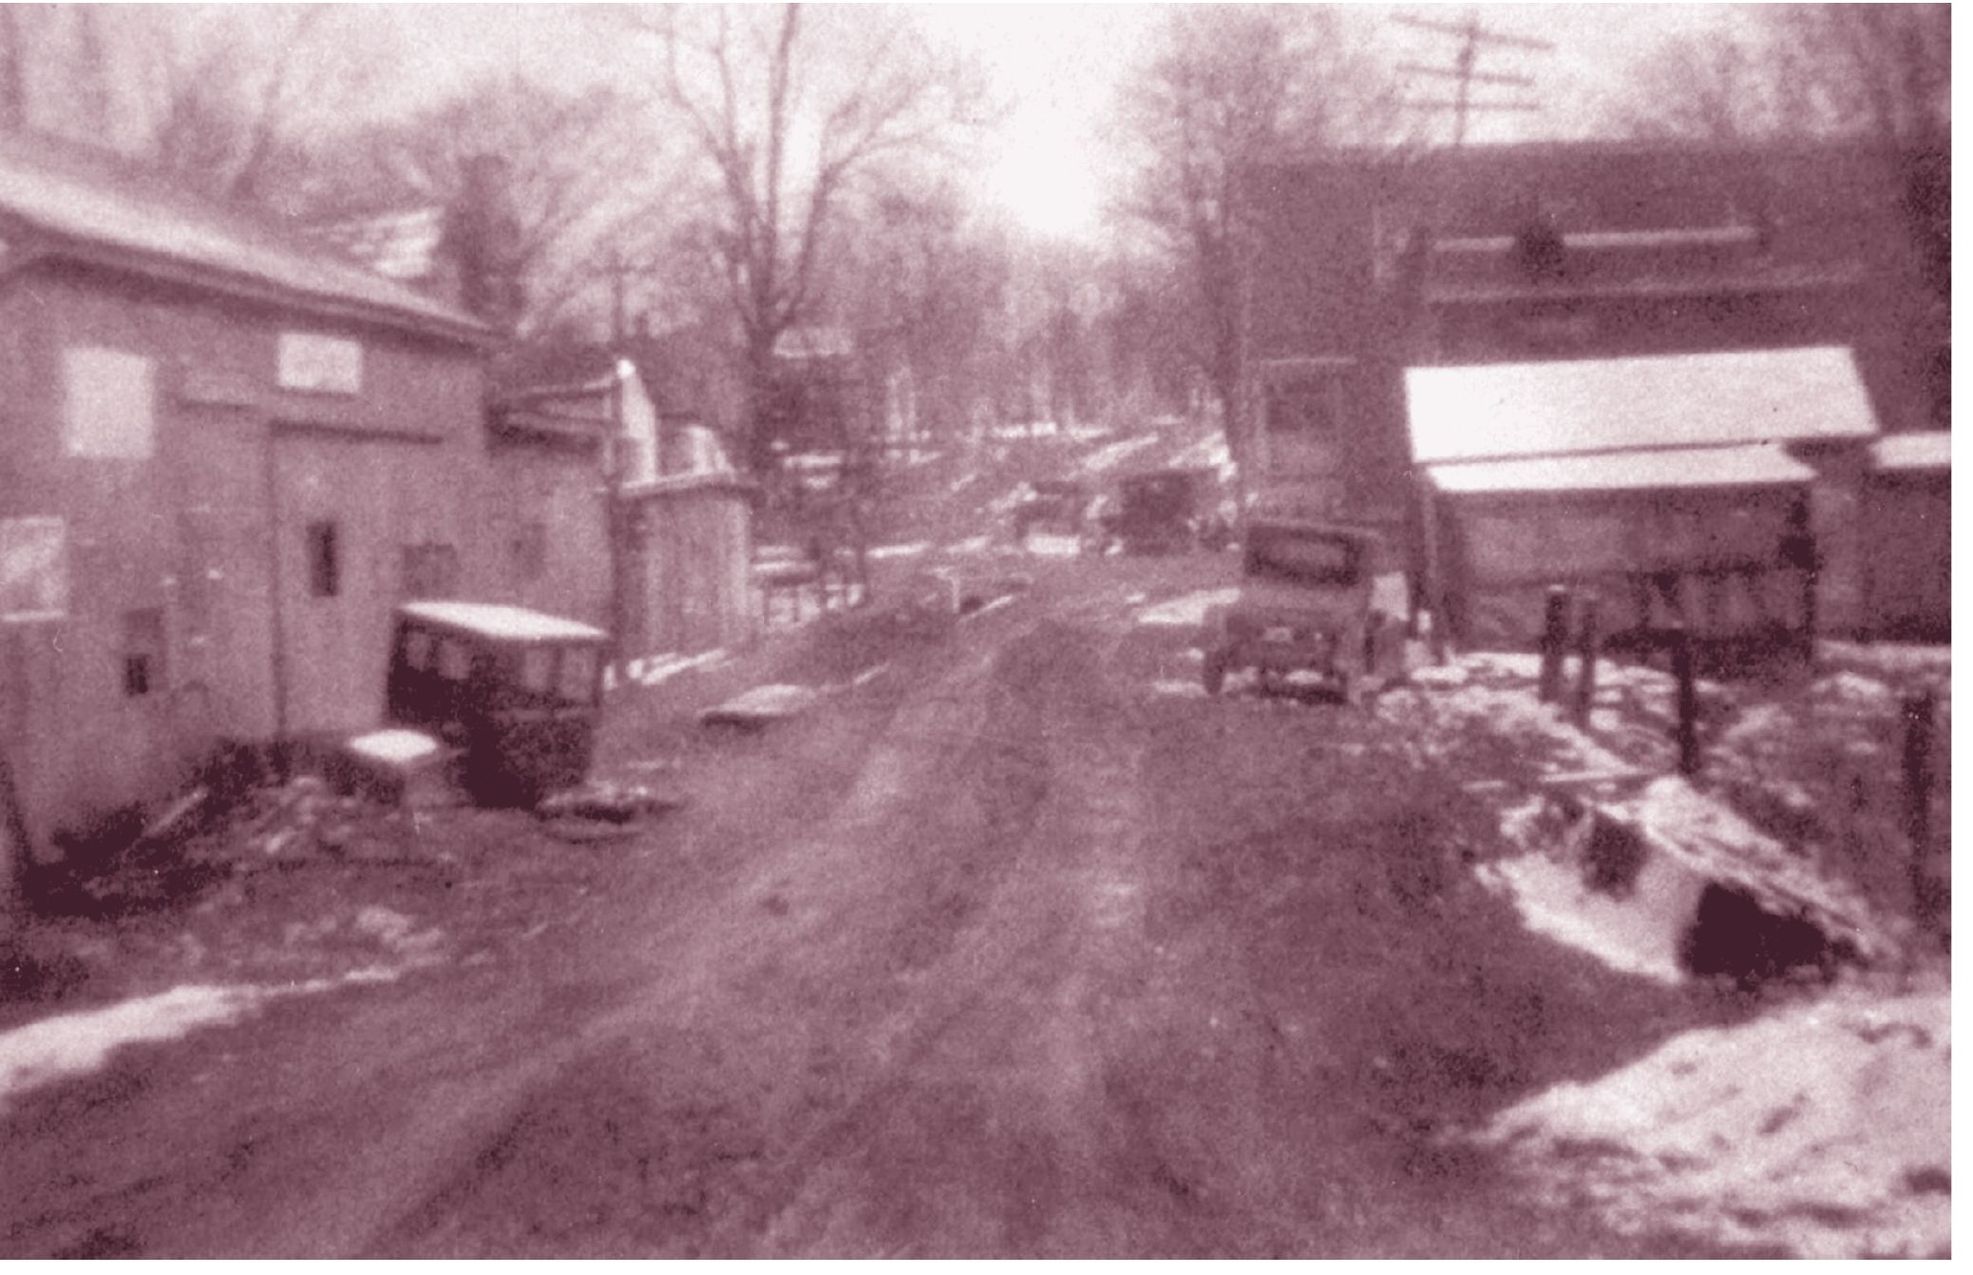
1464, 69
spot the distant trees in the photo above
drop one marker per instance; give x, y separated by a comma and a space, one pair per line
1877, 76
1228, 87
578, 173
786, 114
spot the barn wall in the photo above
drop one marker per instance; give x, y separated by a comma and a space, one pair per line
184, 555
692, 548
544, 524
1503, 551
1908, 555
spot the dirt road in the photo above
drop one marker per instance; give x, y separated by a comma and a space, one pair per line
1019, 948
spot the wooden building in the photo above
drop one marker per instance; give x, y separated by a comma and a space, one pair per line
223, 459
1374, 272
1907, 530
1668, 486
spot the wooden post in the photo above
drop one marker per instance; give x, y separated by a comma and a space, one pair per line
1588, 642
1688, 701
1554, 641
1920, 719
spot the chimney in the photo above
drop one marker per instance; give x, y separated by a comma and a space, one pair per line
482, 237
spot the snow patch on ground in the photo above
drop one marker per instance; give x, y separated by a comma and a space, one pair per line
81, 1042
1189, 609
972, 544
882, 553
1045, 545
1188, 689
1821, 1128
1634, 935
398, 746
1105, 459
655, 670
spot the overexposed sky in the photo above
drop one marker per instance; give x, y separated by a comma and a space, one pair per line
1056, 67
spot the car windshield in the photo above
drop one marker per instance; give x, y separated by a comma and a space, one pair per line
1301, 557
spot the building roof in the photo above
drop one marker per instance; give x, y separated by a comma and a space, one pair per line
1927, 449
509, 623
1507, 410
1757, 465
138, 224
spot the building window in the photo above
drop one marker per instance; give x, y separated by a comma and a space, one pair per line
530, 551
325, 573
429, 571
108, 405
143, 652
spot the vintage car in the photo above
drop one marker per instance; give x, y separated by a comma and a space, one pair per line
516, 692
1058, 506
1164, 510
1315, 597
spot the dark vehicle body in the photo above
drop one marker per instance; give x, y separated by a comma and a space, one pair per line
1315, 597
1059, 506
517, 692
1165, 510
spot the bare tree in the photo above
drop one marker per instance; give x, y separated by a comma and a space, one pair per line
1879, 72
787, 112
231, 100
580, 170
1228, 88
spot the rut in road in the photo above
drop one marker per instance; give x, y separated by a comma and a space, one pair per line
788, 1024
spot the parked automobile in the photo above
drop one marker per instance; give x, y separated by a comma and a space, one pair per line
1315, 597
1165, 510
517, 692
1058, 506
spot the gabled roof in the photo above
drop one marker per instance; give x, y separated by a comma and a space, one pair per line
96, 212
1506, 410
1759, 465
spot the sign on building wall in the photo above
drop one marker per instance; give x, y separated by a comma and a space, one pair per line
108, 404
33, 569
320, 364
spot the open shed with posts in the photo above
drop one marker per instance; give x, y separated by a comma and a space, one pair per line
1710, 490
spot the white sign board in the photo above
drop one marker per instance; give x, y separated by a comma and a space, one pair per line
322, 364
33, 569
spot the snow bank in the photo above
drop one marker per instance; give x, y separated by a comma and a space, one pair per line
1637, 934
1822, 1128
81, 1042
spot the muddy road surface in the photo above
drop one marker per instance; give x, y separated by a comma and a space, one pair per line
1020, 947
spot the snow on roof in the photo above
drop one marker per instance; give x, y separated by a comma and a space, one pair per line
69, 200
1930, 449
493, 619
1508, 410
1761, 465
400, 245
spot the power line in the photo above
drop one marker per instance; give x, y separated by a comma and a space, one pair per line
1472, 36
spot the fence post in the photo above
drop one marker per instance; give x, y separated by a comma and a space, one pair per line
1688, 701
1588, 643
1554, 641
1920, 720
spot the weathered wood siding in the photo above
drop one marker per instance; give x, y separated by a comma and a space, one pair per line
205, 536
691, 548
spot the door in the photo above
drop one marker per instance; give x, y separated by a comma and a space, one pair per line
352, 515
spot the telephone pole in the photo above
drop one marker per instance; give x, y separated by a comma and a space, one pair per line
1464, 69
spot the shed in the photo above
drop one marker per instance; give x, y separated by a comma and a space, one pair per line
1670, 486
1907, 521
227, 457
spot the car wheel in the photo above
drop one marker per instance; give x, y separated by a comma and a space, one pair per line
1213, 674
